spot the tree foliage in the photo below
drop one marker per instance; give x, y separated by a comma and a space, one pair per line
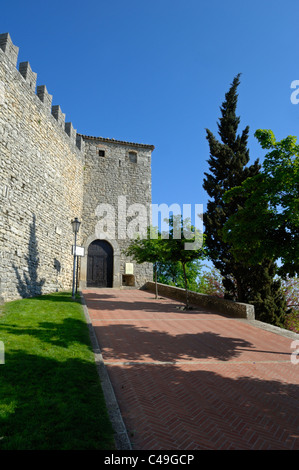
179, 248
228, 159
268, 223
210, 283
227, 164
290, 286
148, 250
171, 273
184, 245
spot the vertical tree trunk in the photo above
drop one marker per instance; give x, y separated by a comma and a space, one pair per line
156, 284
186, 285
240, 291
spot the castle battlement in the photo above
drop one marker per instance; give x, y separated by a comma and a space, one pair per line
9, 48
11, 51
30, 76
49, 174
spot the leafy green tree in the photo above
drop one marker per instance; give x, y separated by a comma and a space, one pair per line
175, 253
210, 283
227, 162
268, 223
228, 159
290, 287
265, 293
171, 273
148, 250
185, 245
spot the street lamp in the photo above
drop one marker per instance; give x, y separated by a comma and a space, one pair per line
76, 225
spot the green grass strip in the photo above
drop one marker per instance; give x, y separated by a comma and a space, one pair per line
50, 391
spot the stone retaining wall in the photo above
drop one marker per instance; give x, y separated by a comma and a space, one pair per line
234, 309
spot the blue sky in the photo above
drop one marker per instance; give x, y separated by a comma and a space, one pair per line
156, 72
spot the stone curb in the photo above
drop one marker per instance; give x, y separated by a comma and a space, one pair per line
122, 440
274, 329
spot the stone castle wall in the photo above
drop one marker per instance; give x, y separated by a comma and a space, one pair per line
41, 184
49, 174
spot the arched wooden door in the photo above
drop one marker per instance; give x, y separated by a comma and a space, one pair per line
100, 264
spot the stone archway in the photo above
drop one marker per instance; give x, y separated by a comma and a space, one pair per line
116, 278
99, 264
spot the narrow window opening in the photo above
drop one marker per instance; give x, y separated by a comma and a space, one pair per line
133, 157
102, 153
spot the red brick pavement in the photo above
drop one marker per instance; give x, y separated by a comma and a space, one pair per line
196, 380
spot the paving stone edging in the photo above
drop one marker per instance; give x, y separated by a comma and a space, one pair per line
122, 440
275, 329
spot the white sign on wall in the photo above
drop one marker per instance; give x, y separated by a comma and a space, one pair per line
79, 250
129, 268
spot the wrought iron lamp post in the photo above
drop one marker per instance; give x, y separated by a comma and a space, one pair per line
76, 225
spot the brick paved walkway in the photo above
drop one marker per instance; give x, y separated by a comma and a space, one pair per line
196, 380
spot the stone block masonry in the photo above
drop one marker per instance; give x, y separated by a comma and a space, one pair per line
41, 185
109, 173
50, 174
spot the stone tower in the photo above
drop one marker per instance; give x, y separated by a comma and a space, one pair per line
117, 180
50, 174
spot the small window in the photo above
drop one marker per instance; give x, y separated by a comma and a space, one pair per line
101, 153
133, 157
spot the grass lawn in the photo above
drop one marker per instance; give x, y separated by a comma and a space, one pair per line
50, 392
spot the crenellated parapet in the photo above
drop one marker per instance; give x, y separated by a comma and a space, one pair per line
11, 51
44, 96
9, 48
30, 77
59, 116
70, 131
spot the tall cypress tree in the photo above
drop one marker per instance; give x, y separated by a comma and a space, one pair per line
228, 159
